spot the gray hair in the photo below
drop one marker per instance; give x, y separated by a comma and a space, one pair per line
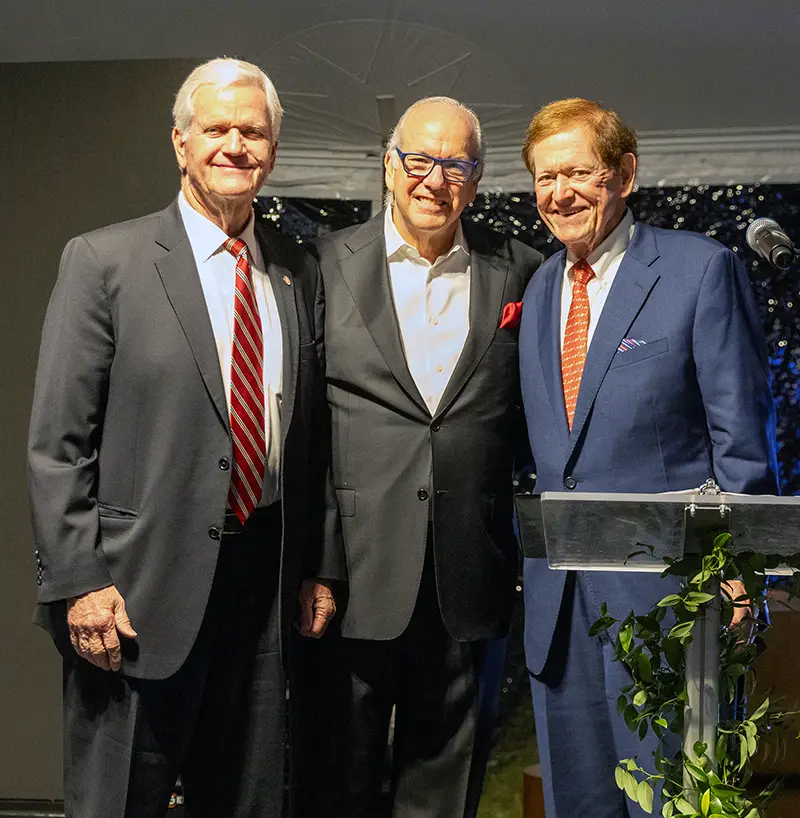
222, 73
471, 116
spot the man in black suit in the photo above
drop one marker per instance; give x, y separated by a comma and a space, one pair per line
176, 468
421, 346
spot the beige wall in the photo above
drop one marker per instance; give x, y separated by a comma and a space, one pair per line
83, 145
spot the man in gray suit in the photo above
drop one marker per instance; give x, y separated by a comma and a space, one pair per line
421, 350
177, 457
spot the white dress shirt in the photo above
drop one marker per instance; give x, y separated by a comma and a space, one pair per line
431, 302
217, 270
605, 261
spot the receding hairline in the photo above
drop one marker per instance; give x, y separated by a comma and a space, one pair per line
448, 104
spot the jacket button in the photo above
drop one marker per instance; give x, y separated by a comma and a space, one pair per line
422, 494
570, 483
38, 580
224, 463
214, 533
436, 426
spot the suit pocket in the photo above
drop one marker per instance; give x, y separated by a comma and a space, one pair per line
346, 499
116, 512
648, 350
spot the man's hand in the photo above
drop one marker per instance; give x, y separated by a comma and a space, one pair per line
96, 621
317, 607
742, 607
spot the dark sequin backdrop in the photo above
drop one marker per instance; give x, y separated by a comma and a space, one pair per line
722, 212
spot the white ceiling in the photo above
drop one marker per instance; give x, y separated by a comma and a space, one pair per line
675, 66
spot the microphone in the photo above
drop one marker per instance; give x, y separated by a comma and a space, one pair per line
770, 242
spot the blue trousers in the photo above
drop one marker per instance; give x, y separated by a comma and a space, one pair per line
580, 736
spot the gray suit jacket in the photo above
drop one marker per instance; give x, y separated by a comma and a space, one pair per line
129, 434
396, 467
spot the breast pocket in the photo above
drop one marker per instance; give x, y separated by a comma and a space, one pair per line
640, 353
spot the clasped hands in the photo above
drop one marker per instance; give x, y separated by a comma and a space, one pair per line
97, 620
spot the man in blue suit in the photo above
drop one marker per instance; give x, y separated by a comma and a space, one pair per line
643, 369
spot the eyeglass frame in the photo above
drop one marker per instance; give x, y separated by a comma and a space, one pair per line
471, 163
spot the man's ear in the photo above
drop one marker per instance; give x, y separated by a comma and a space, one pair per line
628, 173
178, 145
388, 170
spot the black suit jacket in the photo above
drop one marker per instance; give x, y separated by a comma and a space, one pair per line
129, 434
396, 467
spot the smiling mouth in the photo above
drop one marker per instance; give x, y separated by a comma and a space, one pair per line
430, 202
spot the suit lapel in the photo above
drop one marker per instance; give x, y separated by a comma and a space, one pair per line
632, 285
284, 290
488, 274
366, 273
548, 314
181, 281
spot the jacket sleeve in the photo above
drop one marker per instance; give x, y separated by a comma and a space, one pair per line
329, 561
732, 369
66, 426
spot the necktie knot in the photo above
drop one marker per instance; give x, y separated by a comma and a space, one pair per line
235, 247
582, 273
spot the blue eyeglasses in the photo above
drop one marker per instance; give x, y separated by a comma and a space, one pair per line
420, 165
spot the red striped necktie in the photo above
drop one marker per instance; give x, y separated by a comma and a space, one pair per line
576, 336
246, 391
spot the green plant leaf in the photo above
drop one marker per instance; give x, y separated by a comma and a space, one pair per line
726, 790
619, 777
700, 748
622, 702
668, 809
698, 773
644, 667
673, 651
742, 752
644, 795
722, 747
601, 626
640, 698
626, 637
699, 597
681, 630
762, 709
642, 729
631, 787
705, 802
672, 599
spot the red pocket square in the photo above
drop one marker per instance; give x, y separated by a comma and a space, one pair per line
512, 315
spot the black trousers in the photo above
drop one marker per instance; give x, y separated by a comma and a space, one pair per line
441, 730
219, 722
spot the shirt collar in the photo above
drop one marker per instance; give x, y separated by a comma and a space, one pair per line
206, 237
397, 247
610, 249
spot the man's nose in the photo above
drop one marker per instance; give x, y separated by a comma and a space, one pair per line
562, 189
435, 179
233, 141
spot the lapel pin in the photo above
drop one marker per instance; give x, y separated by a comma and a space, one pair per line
287, 281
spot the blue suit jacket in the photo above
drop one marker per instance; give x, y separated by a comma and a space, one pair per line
692, 402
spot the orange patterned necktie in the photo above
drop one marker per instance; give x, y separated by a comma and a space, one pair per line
576, 337
247, 391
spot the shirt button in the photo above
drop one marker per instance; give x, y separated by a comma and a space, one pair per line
435, 322
224, 463
570, 483
422, 494
214, 532
438, 367
436, 426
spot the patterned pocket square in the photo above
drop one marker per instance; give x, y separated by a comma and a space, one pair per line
629, 343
